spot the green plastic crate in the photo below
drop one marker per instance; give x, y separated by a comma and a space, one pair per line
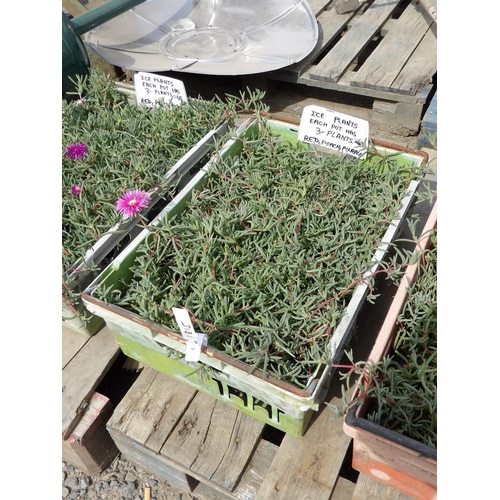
275, 402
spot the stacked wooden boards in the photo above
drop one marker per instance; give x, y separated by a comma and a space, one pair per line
216, 452
85, 412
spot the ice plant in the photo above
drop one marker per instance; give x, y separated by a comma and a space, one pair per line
76, 151
110, 146
132, 202
76, 190
267, 254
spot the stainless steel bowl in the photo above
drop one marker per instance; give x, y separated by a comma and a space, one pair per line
213, 37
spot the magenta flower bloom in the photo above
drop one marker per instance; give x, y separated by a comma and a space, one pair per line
76, 190
76, 151
132, 202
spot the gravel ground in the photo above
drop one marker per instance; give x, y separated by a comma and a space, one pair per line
122, 480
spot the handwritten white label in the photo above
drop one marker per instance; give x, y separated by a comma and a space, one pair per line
327, 128
150, 89
194, 340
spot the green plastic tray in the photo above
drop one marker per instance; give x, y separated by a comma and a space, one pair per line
272, 401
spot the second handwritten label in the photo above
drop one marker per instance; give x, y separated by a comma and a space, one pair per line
327, 128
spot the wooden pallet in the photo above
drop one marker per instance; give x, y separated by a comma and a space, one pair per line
85, 361
385, 51
215, 452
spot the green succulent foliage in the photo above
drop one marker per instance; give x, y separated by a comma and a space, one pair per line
266, 254
403, 385
128, 147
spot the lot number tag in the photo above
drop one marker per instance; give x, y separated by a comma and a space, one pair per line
194, 340
327, 128
150, 89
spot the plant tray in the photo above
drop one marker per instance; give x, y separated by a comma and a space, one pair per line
275, 402
383, 454
77, 317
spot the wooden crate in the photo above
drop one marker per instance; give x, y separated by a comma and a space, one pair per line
86, 443
215, 452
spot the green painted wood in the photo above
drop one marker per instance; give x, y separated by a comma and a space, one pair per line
150, 353
427, 137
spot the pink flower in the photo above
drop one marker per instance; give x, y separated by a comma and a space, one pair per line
132, 202
76, 151
76, 190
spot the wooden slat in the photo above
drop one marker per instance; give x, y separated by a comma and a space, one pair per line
140, 455
72, 342
421, 67
213, 447
82, 375
318, 6
367, 487
214, 440
151, 408
251, 480
345, 51
308, 467
383, 66
343, 490
90, 447
330, 26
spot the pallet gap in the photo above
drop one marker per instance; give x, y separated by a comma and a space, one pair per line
298, 92
346, 469
273, 435
400, 9
328, 47
118, 380
366, 53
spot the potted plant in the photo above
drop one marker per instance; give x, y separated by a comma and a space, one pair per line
111, 149
392, 415
270, 249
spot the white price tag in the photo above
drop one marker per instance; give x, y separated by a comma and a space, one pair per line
343, 133
194, 340
150, 89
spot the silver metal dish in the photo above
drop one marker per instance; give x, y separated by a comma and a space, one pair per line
213, 37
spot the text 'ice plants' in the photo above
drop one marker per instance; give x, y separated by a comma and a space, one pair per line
132, 202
